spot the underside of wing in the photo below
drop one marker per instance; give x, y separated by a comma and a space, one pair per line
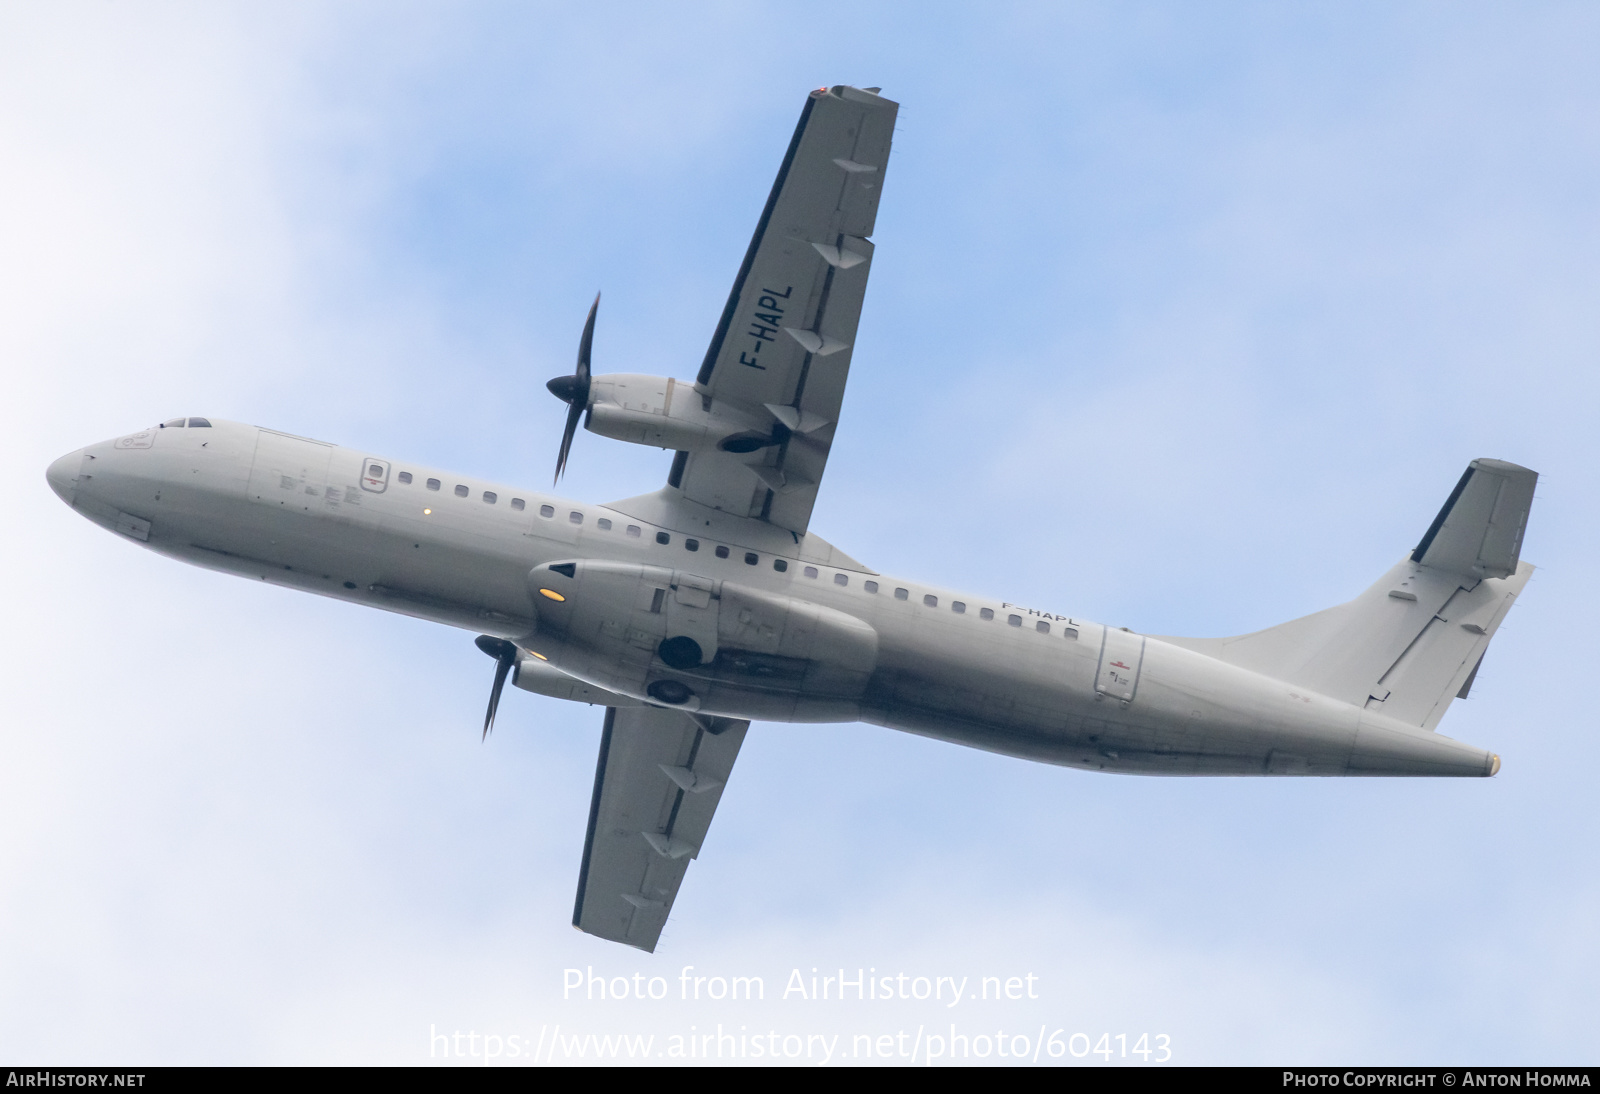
657, 783
781, 351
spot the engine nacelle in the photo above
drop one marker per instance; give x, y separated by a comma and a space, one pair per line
542, 678
678, 639
665, 413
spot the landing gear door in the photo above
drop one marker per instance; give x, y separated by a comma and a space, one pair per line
1121, 654
692, 612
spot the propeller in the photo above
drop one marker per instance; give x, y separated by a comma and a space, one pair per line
574, 390
505, 655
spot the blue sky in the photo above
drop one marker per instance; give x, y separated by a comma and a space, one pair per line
1184, 318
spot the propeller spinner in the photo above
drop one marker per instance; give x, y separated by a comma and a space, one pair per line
505, 655
574, 391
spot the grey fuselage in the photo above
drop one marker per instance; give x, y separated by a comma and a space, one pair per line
845, 643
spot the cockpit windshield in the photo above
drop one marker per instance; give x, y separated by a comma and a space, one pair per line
194, 423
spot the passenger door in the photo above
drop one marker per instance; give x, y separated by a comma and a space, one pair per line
1121, 654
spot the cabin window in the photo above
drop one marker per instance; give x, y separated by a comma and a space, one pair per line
780, 565
691, 544
841, 579
547, 510
751, 558
433, 484
722, 552
199, 423
575, 517
1071, 633
901, 594
462, 491
604, 523
405, 477
985, 613
1014, 620
810, 571
633, 530
872, 586
663, 539
490, 497
518, 504
958, 607
930, 601
374, 470
1042, 627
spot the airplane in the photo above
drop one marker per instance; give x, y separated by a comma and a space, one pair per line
693, 610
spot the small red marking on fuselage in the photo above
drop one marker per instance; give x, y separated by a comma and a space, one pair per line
1118, 665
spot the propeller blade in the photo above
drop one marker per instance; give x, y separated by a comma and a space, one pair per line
586, 342
574, 412
501, 670
574, 390
505, 655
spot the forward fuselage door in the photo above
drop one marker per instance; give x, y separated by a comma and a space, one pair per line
288, 470
1121, 654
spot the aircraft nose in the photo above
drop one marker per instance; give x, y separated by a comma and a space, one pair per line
63, 475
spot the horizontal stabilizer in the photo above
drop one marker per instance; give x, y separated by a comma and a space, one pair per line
1478, 533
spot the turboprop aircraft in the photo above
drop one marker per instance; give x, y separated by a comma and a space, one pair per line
690, 611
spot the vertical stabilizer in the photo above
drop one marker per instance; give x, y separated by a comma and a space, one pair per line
1413, 641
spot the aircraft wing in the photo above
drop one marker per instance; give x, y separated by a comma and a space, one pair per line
781, 351
656, 785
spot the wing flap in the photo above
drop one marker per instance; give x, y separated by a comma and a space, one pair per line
645, 824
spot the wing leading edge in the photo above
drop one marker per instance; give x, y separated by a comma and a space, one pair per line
783, 345
657, 783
